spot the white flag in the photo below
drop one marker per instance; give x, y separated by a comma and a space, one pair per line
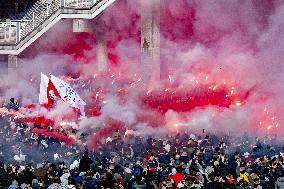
43, 89
67, 94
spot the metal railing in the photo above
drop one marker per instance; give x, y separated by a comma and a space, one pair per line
13, 31
9, 32
81, 4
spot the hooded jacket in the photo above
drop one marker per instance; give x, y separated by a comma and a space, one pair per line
279, 184
13, 186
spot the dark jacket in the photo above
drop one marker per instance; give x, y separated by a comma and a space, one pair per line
85, 164
89, 183
3, 178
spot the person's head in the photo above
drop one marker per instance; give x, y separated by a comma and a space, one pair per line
256, 182
237, 155
35, 181
86, 153
280, 173
28, 167
174, 171
79, 186
25, 186
61, 164
9, 169
14, 182
100, 165
242, 170
193, 171
66, 171
12, 100
71, 181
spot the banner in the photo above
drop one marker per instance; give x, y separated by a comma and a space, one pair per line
67, 94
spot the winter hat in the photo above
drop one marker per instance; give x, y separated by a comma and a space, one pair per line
39, 166
34, 181
184, 154
254, 176
127, 170
111, 166
74, 165
25, 186
174, 171
64, 178
54, 186
246, 154
55, 156
167, 147
192, 136
177, 156
108, 140
180, 185
209, 169
35, 186
116, 175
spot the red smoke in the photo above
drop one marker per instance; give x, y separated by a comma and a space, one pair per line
187, 100
40, 121
240, 42
110, 127
55, 135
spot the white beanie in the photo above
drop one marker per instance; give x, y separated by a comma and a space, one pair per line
192, 136
64, 178
180, 185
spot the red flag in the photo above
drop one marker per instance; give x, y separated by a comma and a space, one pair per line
52, 93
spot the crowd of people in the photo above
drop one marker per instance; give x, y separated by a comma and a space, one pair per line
181, 161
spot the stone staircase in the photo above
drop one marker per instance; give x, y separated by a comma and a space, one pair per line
18, 34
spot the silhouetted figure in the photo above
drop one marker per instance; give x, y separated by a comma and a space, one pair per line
85, 162
13, 105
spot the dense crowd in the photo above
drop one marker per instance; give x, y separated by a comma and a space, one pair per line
180, 161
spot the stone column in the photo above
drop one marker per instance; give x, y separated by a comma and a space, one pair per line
3, 65
84, 25
101, 56
81, 25
150, 41
8, 65
12, 64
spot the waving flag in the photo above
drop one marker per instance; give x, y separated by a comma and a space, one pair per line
43, 89
53, 88
67, 94
48, 92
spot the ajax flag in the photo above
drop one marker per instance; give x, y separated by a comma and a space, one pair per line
67, 93
54, 87
48, 92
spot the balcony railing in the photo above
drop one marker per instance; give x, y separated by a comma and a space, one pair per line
13, 31
9, 33
79, 4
